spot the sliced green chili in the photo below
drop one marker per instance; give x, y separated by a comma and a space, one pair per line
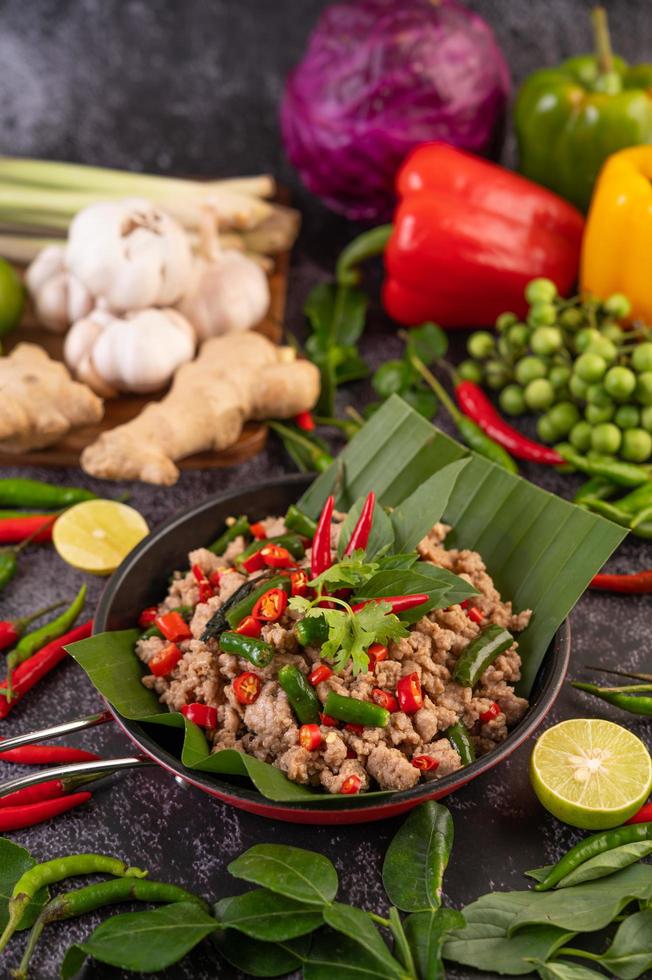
233, 531
300, 694
481, 653
590, 847
460, 739
355, 712
256, 651
311, 631
296, 520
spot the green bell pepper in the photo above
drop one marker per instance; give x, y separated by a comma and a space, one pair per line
569, 119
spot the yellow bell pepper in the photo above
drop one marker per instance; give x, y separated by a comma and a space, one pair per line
617, 245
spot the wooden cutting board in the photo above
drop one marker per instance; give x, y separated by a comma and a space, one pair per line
123, 409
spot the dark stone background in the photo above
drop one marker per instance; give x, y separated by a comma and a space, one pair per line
192, 87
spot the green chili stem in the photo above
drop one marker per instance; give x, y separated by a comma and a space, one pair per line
365, 246
619, 673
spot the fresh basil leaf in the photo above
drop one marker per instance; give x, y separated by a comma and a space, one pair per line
267, 916
152, 940
442, 587
260, 959
73, 962
608, 863
334, 955
14, 862
415, 515
393, 378
426, 933
429, 342
416, 859
630, 953
350, 571
303, 875
560, 970
358, 926
387, 562
382, 534
423, 401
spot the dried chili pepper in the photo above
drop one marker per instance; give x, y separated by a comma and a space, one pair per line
270, 606
17, 817
11, 630
320, 557
636, 583
360, 534
203, 715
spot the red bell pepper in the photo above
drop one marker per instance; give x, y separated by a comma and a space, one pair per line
467, 237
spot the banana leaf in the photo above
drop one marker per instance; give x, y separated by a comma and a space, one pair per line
540, 550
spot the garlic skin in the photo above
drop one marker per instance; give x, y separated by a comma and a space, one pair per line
227, 291
58, 297
129, 254
138, 353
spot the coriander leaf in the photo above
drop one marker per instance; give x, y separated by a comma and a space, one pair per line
351, 571
379, 623
300, 604
340, 638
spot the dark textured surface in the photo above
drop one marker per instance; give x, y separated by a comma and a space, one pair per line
192, 87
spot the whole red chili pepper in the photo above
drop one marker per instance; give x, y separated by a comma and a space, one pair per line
50, 790
28, 674
37, 527
360, 534
476, 406
637, 583
17, 817
644, 815
399, 603
11, 630
320, 556
45, 755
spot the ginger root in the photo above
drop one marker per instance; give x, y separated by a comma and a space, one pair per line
40, 402
235, 378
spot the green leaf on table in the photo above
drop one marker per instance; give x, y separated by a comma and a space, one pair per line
14, 862
334, 955
291, 871
351, 367
149, 941
415, 515
416, 859
259, 959
349, 572
73, 962
267, 916
562, 970
442, 587
630, 953
381, 538
358, 926
393, 378
422, 400
540, 550
600, 866
428, 342
426, 933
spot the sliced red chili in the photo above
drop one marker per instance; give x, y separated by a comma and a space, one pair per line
299, 583
271, 605
253, 563
351, 785
354, 729
164, 662
384, 699
258, 531
147, 616
248, 627
475, 615
377, 652
408, 691
246, 687
205, 588
328, 721
309, 737
492, 712
173, 627
276, 556
305, 421
201, 714
215, 578
319, 673
425, 763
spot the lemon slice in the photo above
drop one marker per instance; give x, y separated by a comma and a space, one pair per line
96, 535
591, 773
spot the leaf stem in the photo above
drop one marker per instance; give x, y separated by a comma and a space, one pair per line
580, 953
402, 950
378, 919
438, 388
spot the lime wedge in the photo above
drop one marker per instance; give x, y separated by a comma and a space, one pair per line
591, 773
96, 535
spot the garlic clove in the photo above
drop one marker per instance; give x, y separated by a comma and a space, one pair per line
228, 293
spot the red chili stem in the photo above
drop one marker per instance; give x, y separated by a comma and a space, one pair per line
17, 817
476, 406
12, 630
360, 534
45, 755
50, 790
320, 556
399, 603
636, 583
28, 674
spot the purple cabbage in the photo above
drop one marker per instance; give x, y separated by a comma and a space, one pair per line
378, 78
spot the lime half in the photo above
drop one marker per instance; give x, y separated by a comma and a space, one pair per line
591, 773
96, 535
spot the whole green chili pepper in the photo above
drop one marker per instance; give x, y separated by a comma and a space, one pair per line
30, 643
48, 873
257, 652
643, 530
69, 905
184, 611
8, 566
291, 542
611, 511
481, 653
624, 474
355, 712
636, 501
237, 612
636, 704
597, 488
458, 736
641, 518
15, 492
297, 521
300, 694
311, 631
590, 847
233, 531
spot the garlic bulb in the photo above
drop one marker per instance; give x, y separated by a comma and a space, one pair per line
138, 352
227, 291
59, 298
129, 254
